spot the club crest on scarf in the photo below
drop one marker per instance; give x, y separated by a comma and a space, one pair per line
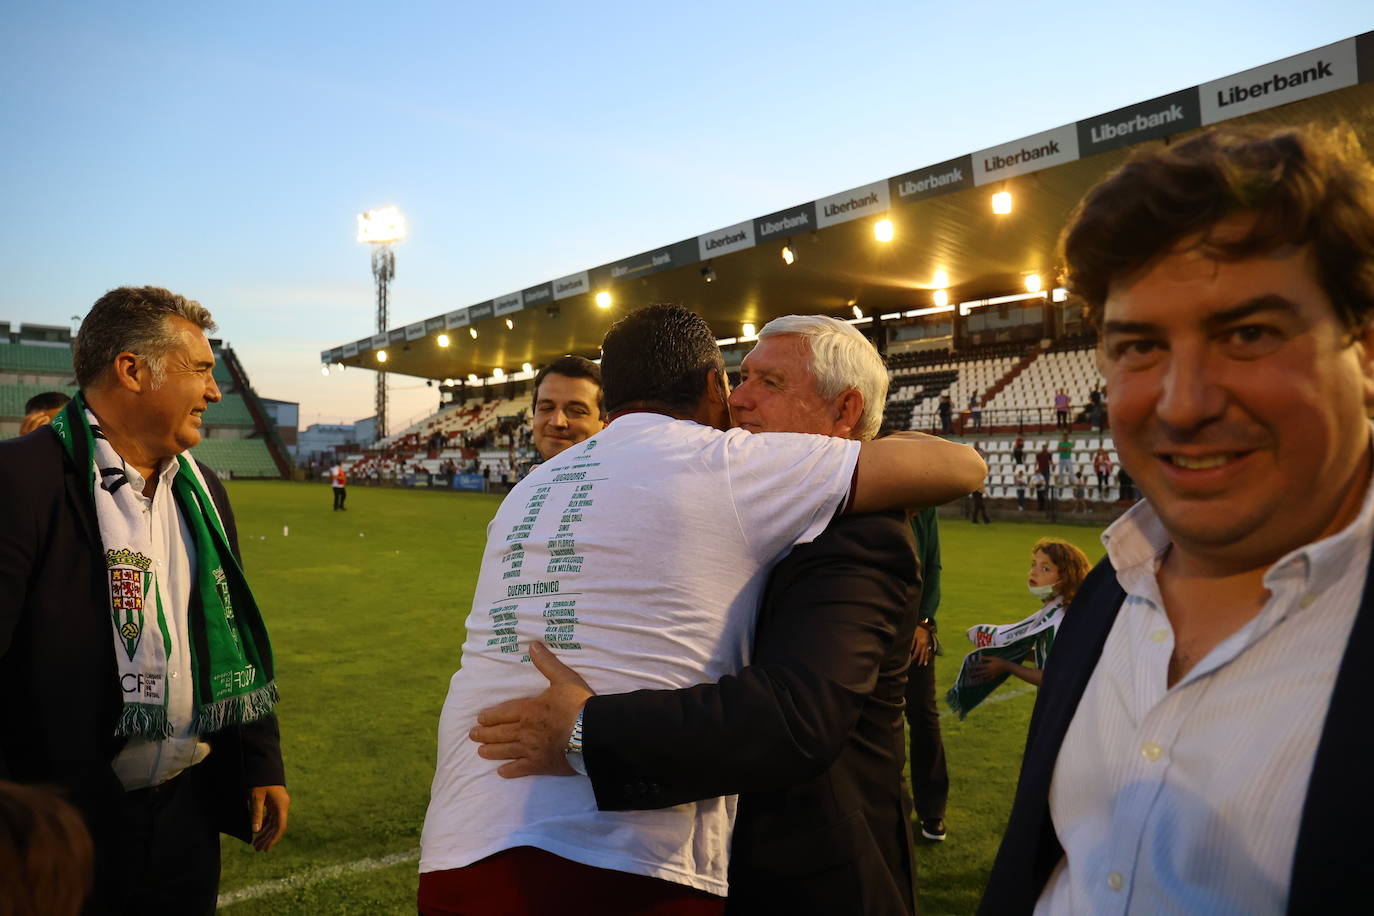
129, 584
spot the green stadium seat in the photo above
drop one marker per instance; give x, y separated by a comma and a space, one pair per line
13, 397
29, 358
231, 411
236, 457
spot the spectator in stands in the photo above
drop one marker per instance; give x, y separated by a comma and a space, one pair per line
45, 853
1061, 409
839, 618
160, 767
1043, 460
338, 482
978, 506
1066, 457
1042, 490
929, 770
40, 409
975, 409
946, 410
1097, 411
1019, 481
1102, 467
1080, 491
1210, 693
568, 404
1018, 451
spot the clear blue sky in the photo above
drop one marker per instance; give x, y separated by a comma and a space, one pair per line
224, 153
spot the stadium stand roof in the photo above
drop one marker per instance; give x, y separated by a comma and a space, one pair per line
942, 216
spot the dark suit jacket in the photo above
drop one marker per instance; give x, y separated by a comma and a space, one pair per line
1332, 863
57, 652
808, 735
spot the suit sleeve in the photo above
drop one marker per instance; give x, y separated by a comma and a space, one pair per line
261, 740
832, 610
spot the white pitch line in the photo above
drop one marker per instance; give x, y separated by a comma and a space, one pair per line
999, 698
316, 876
330, 872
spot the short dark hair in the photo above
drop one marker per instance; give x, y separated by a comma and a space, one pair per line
48, 400
659, 356
572, 367
134, 320
46, 853
1303, 187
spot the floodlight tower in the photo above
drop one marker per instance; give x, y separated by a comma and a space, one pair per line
380, 228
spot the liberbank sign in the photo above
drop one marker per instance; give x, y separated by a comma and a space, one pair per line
1301, 76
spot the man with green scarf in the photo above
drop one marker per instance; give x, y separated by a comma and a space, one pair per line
140, 670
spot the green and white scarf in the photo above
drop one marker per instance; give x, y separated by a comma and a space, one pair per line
1033, 636
231, 658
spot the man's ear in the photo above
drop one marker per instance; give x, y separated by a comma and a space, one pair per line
848, 408
1364, 352
131, 372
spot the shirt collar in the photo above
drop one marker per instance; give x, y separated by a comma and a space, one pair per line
166, 473
1137, 540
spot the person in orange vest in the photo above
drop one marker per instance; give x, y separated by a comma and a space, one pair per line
338, 478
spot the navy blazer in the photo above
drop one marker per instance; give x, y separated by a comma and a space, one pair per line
57, 651
809, 734
1334, 859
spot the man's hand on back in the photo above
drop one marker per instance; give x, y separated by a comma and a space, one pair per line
533, 734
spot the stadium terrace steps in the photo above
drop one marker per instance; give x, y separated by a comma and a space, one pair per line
236, 457
13, 397
231, 411
31, 358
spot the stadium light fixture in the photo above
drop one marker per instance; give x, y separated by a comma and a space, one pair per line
473, 332
324, 370
748, 329
498, 372
341, 366
472, 377
883, 231
526, 367
708, 273
1001, 203
1032, 283
941, 279
858, 312
379, 229
941, 298
381, 356
603, 299
789, 257
448, 383
442, 340
381, 226
510, 324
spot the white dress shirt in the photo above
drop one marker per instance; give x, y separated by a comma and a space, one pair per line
1188, 799
144, 762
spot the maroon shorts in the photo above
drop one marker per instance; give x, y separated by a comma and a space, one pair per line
526, 881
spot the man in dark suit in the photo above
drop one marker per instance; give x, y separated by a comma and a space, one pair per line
162, 757
809, 735
1201, 741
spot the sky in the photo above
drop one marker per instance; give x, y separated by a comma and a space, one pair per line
224, 152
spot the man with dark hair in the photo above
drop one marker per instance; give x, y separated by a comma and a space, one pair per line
40, 409
568, 404
645, 570
146, 669
1201, 741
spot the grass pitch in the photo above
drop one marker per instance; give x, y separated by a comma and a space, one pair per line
366, 609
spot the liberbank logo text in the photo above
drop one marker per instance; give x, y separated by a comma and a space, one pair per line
1233, 95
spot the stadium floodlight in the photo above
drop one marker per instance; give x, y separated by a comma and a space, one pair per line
748, 329
510, 324
381, 228
858, 312
526, 367
473, 332
498, 372
789, 256
1001, 203
442, 340
708, 273
883, 231
603, 299
940, 280
1032, 283
472, 377
341, 366
448, 383
941, 298
324, 370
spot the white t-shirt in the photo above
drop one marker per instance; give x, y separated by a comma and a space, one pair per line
639, 556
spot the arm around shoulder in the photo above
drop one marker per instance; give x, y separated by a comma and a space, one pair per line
912, 471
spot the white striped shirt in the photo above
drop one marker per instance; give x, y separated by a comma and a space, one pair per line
1187, 799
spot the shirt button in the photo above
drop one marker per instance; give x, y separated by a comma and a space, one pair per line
1151, 751
1115, 881
1159, 635
174, 673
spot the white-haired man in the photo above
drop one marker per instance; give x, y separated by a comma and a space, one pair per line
809, 734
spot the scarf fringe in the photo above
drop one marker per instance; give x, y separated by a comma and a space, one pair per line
139, 720
238, 710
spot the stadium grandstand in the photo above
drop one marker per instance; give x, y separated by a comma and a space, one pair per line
239, 437
949, 269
